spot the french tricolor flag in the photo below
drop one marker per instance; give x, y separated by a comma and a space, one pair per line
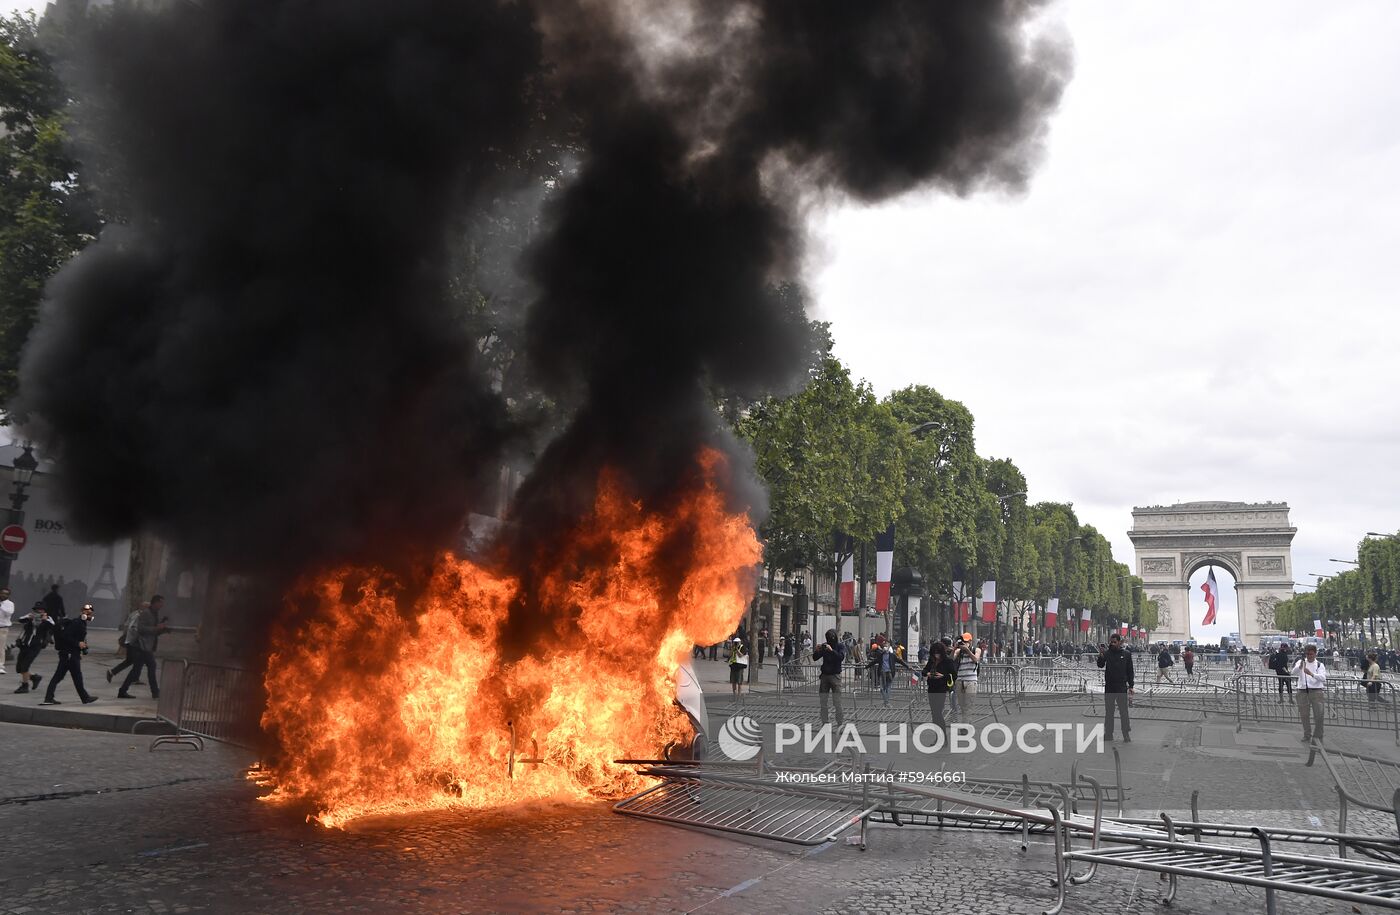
845, 546
962, 610
1084, 619
989, 602
884, 565
1052, 612
1317, 625
1212, 597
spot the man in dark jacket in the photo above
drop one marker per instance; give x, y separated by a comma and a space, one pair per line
1281, 664
1117, 667
70, 639
831, 654
53, 603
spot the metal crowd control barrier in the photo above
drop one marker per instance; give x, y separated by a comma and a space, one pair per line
1346, 704
205, 702
1365, 781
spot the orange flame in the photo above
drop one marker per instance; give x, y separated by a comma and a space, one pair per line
374, 713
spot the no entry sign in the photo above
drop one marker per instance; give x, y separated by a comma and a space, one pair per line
13, 538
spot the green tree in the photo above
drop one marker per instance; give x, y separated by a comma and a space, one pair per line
46, 216
937, 526
833, 460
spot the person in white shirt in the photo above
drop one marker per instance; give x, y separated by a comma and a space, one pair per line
7, 613
1311, 689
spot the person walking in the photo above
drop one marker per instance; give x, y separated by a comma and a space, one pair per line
883, 660
1117, 667
7, 615
53, 604
831, 654
738, 658
1188, 661
1164, 664
129, 658
141, 652
70, 640
38, 631
1280, 664
1312, 690
1373, 678
941, 675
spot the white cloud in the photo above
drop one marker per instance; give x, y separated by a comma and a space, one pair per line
1193, 300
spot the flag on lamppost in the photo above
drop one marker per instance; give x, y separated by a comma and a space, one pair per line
1084, 619
1212, 596
989, 602
884, 566
1052, 612
1317, 625
962, 610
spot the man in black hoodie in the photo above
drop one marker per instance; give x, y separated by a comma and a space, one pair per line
70, 639
1117, 666
831, 654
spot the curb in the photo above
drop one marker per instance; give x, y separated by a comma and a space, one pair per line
84, 719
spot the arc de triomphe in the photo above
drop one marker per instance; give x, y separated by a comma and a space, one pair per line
1252, 541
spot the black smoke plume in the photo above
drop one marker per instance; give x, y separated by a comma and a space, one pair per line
263, 366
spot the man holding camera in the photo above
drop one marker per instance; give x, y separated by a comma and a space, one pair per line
70, 639
1311, 689
1117, 667
967, 656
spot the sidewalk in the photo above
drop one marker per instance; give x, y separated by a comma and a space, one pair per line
108, 713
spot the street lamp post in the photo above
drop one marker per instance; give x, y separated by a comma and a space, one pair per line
22, 475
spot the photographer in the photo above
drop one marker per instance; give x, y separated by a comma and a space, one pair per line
70, 639
1117, 667
968, 657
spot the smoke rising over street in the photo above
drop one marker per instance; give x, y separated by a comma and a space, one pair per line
261, 363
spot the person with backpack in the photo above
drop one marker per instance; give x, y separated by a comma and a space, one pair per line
1164, 665
738, 657
1279, 664
70, 640
968, 657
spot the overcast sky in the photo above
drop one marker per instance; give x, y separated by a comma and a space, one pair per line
1193, 300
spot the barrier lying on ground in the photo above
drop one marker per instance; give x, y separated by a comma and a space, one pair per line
205, 702
767, 804
1365, 781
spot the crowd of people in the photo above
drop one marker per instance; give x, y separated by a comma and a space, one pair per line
948, 669
47, 624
